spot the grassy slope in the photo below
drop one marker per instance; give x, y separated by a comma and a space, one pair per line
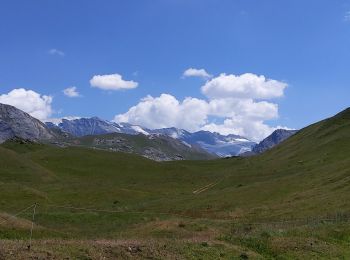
306, 176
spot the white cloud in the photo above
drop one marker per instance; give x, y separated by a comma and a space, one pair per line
192, 72
166, 111
35, 104
56, 52
246, 108
243, 86
254, 130
71, 92
112, 82
236, 101
243, 117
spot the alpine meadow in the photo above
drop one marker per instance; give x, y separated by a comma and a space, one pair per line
174, 129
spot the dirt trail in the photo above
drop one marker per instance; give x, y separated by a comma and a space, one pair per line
211, 185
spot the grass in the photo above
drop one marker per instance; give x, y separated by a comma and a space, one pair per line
291, 202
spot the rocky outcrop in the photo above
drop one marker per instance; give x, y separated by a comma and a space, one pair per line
272, 140
153, 146
94, 126
15, 123
87, 126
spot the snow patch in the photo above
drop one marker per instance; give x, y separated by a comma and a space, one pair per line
187, 144
242, 140
174, 135
139, 130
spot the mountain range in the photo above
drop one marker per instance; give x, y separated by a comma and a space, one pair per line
158, 144
95, 133
214, 143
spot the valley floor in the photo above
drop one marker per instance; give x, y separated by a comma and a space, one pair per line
292, 202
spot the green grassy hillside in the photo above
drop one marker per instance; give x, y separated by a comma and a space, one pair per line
290, 202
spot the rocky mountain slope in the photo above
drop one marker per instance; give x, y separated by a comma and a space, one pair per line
94, 126
154, 147
272, 140
15, 123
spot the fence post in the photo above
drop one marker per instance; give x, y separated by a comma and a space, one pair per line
31, 230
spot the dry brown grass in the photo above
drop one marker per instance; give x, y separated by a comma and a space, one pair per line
99, 249
14, 222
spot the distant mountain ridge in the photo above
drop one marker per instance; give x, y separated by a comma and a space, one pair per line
214, 143
93, 126
277, 137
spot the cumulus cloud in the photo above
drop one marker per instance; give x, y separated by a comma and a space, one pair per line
246, 108
35, 104
236, 101
243, 86
166, 111
71, 92
242, 117
192, 72
112, 82
255, 130
56, 52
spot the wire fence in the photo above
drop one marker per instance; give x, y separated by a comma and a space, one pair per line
334, 217
16, 214
339, 217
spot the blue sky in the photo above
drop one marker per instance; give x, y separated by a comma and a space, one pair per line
304, 44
